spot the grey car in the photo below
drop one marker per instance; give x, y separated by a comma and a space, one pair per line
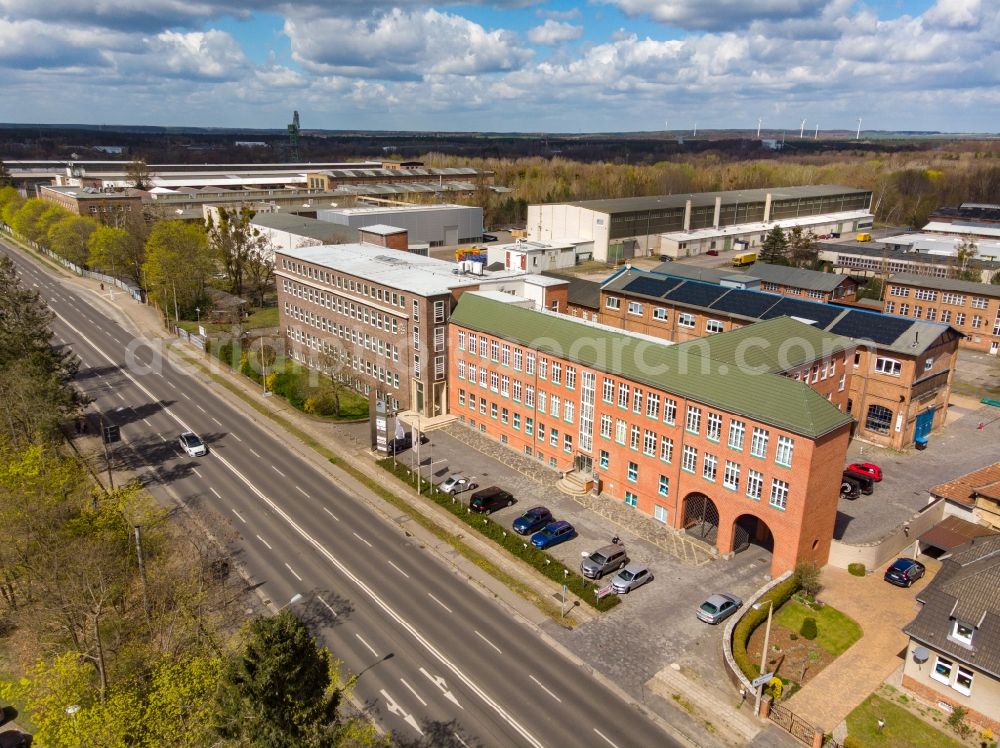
632, 576
457, 483
719, 607
603, 560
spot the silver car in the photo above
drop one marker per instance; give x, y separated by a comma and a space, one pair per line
457, 483
632, 576
192, 444
719, 607
603, 560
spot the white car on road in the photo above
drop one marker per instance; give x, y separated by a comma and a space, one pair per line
192, 444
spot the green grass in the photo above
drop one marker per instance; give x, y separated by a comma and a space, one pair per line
266, 317
902, 728
837, 632
263, 317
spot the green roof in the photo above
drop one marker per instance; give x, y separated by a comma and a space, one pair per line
684, 371
775, 345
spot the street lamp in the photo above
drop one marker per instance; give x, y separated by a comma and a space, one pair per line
354, 678
263, 368
295, 598
197, 311
71, 710
763, 654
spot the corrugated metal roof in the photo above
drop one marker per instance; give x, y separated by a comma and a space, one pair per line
946, 284
729, 197
769, 398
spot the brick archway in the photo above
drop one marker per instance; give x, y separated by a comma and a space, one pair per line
701, 517
749, 529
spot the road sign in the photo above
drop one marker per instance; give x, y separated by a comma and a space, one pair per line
112, 434
605, 591
761, 680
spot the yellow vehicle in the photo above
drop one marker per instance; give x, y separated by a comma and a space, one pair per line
864, 236
744, 258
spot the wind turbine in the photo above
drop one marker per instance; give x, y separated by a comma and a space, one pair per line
858, 136
802, 129
816, 136
695, 130
759, 120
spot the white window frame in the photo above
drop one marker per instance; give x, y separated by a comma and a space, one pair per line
613, 302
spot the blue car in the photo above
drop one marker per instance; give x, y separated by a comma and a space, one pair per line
552, 534
533, 519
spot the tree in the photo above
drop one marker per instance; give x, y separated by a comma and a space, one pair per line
5, 179
26, 220
775, 247
335, 364
236, 244
802, 246
36, 391
10, 203
995, 280
118, 251
961, 270
137, 174
282, 690
177, 265
69, 238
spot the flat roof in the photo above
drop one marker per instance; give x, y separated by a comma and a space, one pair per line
382, 229
867, 250
87, 193
328, 233
946, 284
967, 229
633, 204
768, 398
785, 223
425, 276
381, 209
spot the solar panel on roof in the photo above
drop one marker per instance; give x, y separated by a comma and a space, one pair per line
646, 286
880, 328
821, 314
747, 303
700, 294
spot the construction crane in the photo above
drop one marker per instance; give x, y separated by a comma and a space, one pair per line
293, 136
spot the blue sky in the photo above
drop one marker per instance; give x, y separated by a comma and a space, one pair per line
507, 65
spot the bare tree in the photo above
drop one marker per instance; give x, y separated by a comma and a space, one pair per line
235, 242
335, 364
137, 175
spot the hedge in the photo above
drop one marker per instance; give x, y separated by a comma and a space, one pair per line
516, 544
857, 569
780, 594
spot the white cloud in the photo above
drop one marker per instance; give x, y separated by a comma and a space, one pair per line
559, 15
208, 54
955, 13
552, 32
717, 14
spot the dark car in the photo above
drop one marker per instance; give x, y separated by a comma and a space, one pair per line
904, 571
666, 258
866, 484
403, 443
489, 238
552, 534
849, 488
712, 253
490, 499
532, 520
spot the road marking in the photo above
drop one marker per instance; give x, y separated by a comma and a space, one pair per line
215, 492
415, 694
162, 437
538, 683
381, 603
238, 515
185, 395
440, 683
147, 423
201, 408
439, 602
277, 471
606, 738
267, 544
361, 539
459, 739
394, 708
302, 492
370, 647
170, 383
217, 420
196, 472
120, 396
331, 514
291, 570
234, 436
254, 453
327, 605
487, 641
397, 569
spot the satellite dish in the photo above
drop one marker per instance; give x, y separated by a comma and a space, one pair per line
920, 655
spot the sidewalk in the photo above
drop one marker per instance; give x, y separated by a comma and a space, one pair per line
881, 610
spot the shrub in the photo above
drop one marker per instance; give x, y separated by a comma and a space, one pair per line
956, 721
807, 575
857, 570
852, 742
754, 617
809, 630
774, 687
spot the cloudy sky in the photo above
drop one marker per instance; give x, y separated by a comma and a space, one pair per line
505, 65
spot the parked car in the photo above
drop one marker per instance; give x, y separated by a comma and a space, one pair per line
192, 444
603, 560
489, 238
718, 608
712, 253
404, 442
866, 484
532, 520
666, 258
904, 572
552, 534
849, 488
456, 483
632, 576
870, 469
490, 499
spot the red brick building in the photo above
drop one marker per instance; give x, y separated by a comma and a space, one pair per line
704, 439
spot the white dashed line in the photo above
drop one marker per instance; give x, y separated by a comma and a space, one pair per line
147, 423
415, 694
302, 492
120, 396
361, 539
200, 408
195, 470
293, 572
265, 543
185, 395
277, 471
170, 383
235, 437
487, 641
538, 683
370, 647
238, 515
162, 437
217, 420
331, 514
215, 492
397, 568
439, 602
255, 453
327, 605
459, 739
606, 738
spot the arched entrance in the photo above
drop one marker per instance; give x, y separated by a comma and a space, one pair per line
701, 518
749, 530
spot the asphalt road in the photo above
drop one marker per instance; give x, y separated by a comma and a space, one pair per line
462, 671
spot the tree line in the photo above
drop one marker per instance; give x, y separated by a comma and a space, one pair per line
175, 262
117, 620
